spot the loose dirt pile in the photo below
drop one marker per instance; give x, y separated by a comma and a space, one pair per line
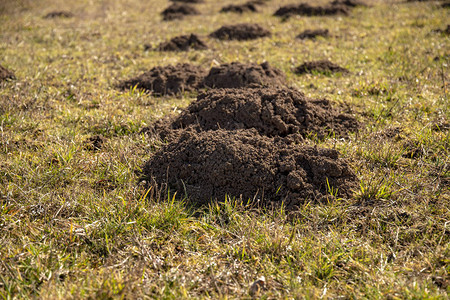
183, 43
168, 80
241, 8
240, 32
5, 74
272, 112
178, 11
349, 3
305, 9
237, 75
58, 14
312, 34
321, 66
210, 165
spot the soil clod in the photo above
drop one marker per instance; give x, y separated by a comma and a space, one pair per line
213, 164
237, 75
240, 32
5, 74
168, 80
183, 43
320, 66
313, 33
178, 11
304, 9
58, 14
282, 112
240, 8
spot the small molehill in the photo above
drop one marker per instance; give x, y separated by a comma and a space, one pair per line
313, 33
305, 9
168, 80
282, 112
321, 66
178, 11
189, 1
6, 74
183, 43
240, 8
237, 75
240, 32
349, 3
94, 143
58, 14
213, 164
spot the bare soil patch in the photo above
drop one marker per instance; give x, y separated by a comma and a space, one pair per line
6, 74
168, 80
313, 33
237, 75
240, 8
320, 66
58, 14
272, 112
212, 164
240, 32
183, 43
304, 9
178, 11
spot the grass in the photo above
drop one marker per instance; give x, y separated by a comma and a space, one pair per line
76, 223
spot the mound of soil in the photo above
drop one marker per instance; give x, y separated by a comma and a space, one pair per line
272, 112
240, 8
168, 80
5, 74
320, 66
212, 164
305, 9
237, 75
58, 14
178, 11
240, 32
313, 33
188, 1
349, 3
183, 43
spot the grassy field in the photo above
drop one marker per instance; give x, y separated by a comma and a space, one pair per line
75, 223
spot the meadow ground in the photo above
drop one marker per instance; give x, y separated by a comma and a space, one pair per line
75, 222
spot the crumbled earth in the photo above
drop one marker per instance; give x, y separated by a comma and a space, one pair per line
178, 11
320, 66
240, 32
313, 33
282, 112
213, 164
350, 3
5, 74
168, 80
58, 14
236, 75
304, 9
240, 8
94, 143
183, 43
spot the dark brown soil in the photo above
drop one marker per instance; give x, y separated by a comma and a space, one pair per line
5, 74
240, 32
313, 33
349, 3
240, 8
305, 9
320, 66
212, 164
183, 43
94, 143
58, 14
272, 112
168, 80
178, 11
237, 75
